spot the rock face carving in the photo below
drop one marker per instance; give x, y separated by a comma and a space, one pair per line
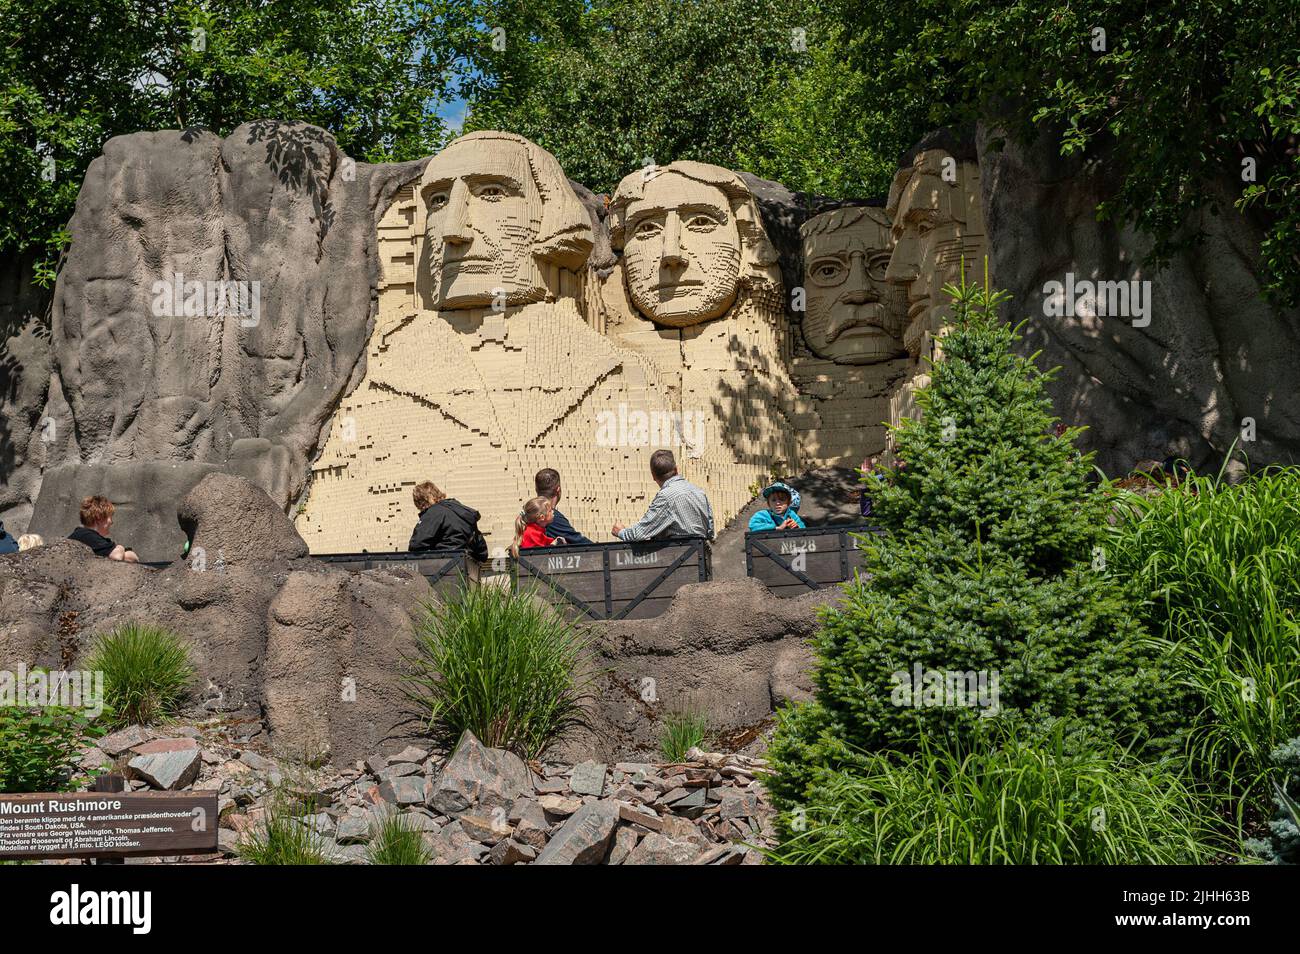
765, 398
483, 368
938, 229
853, 315
158, 376
698, 292
691, 237
938, 233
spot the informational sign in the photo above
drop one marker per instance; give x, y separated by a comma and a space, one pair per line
106, 825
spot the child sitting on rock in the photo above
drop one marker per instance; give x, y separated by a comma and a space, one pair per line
782, 503
530, 526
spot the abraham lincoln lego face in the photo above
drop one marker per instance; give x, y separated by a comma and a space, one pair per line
937, 231
483, 214
681, 251
853, 315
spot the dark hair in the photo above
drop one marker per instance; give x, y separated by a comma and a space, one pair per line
546, 482
662, 464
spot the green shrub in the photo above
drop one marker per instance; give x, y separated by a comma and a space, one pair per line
284, 837
989, 568
147, 673
682, 731
501, 664
39, 747
394, 840
1283, 845
1023, 801
1219, 566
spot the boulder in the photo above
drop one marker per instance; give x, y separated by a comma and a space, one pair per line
230, 522
588, 779
476, 777
333, 665
726, 649
657, 849
166, 764
584, 839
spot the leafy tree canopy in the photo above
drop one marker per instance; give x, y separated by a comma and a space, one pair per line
74, 73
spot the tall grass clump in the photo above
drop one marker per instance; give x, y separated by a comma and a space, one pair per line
284, 837
1006, 800
502, 664
1219, 567
394, 840
682, 731
147, 673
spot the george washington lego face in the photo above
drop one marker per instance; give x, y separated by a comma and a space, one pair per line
483, 215
853, 315
681, 251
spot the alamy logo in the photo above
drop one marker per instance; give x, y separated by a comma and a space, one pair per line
630, 428
75, 906
1083, 298
176, 297
931, 688
78, 689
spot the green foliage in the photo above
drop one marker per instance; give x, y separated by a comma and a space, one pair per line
39, 747
681, 732
502, 664
1283, 845
284, 837
818, 127
1219, 566
1005, 800
609, 84
987, 569
147, 672
1180, 93
74, 73
394, 840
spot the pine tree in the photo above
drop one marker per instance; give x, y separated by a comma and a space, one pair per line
991, 564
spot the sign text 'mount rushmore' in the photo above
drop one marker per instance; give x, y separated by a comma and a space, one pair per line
499, 349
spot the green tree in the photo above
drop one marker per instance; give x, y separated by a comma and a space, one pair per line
1176, 94
991, 564
74, 73
818, 129
609, 84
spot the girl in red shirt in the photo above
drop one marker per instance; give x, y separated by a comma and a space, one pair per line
530, 525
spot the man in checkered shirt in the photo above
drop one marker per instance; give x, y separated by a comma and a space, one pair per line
680, 509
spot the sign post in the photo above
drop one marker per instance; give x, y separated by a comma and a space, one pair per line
106, 825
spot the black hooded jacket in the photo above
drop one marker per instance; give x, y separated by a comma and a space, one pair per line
449, 525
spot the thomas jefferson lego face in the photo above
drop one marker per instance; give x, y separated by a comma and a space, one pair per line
936, 227
484, 211
853, 315
681, 251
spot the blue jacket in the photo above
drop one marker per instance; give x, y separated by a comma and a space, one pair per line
560, 527
766, 520
7, 543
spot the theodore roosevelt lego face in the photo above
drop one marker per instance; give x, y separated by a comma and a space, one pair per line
681, 250
484, 211
853, 315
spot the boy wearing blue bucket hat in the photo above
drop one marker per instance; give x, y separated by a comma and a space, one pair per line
781, 512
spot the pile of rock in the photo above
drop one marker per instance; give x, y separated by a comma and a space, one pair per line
477, 806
